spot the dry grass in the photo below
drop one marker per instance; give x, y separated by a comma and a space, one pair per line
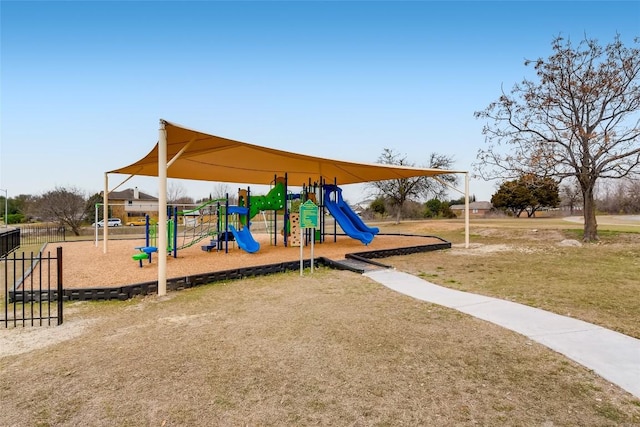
329, 349
522, 261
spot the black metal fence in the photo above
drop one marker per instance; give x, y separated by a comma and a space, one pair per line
9, 241
33, 292
31, 234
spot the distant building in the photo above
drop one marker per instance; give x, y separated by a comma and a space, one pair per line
476, 209
131, 204
361, 207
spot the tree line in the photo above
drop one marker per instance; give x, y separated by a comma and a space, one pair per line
69, 207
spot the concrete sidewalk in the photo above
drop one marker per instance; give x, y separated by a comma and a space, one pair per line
613, 356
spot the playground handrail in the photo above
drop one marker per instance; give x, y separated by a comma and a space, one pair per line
201, 206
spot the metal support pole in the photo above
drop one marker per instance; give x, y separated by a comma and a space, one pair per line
105, 214
60, 286
162, 210
466, 210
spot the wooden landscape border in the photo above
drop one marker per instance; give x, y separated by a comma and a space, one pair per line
179, 283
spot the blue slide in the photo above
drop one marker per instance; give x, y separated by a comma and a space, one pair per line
348, 220
245, 239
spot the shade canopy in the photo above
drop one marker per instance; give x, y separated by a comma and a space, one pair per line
196, 155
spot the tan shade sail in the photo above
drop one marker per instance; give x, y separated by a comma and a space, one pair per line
196, 155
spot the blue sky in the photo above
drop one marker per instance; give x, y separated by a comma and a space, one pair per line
84, 84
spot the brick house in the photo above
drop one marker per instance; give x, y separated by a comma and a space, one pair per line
131, 204
476, 209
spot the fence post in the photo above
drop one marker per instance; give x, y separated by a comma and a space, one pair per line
60, 299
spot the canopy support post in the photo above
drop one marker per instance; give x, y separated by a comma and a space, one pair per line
466, 203
466, 210
105, 213
162, 210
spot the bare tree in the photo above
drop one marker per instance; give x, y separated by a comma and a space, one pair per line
580, 120
623, 197
66, 206
177, 194
220, 191
398, 191
633, 196
570, 196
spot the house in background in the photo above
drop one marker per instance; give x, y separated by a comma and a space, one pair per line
476, 209
132, 205
361, 207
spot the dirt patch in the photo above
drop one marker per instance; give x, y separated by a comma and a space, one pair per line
532, 234
475, 249
479, 249
20, 340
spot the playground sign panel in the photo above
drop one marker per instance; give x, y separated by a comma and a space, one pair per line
308, 215
308, 219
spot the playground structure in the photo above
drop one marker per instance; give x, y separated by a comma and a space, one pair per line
223, 223
185, 153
